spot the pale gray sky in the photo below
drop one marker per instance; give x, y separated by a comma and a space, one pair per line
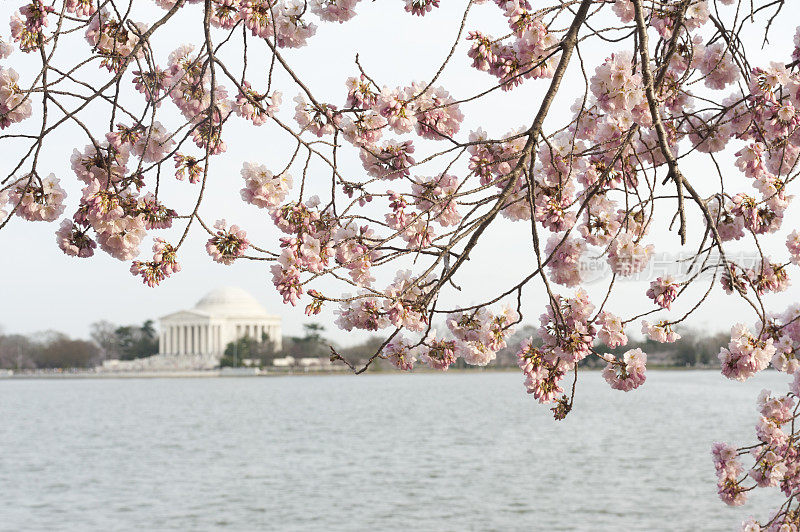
41, 288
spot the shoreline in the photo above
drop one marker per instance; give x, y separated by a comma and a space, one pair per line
216, 373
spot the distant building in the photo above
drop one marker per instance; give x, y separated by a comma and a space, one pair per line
222, 316
196, 338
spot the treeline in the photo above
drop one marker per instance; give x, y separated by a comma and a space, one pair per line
312, 344
694, 349
51, 349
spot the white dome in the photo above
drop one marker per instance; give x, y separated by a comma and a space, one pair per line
230, 301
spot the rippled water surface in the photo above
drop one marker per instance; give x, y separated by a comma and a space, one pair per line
458, 451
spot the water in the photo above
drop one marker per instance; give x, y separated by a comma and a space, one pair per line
458, 451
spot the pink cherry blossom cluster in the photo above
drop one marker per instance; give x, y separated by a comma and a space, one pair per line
626, 256
480, 334
73, 240
420, 7
27, 32
435, 196
529, 55
163, 265
776, 461
728, 466
566, 332
663, 291
155, 215
187, 165
564, 259
400, 353
262, 188
227, 244
392, 160
334, 10
745, 355
438, 353
36, 199
112, 40
542, 373
249, 105
793, 245
611, 331
627, 374
660, 332
15, 106
319, 121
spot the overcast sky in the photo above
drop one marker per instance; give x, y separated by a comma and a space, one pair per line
41, 288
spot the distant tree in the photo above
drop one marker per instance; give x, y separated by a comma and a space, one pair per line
313, 332
362, 351
236, 351
246, 347
63, 352
16, 352
103, 333
694, 348
311, 344
136, 342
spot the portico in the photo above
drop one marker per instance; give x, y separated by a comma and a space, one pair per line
222, 316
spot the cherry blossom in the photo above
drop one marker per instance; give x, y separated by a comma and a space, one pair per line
227, 243
627, 374
38, 199
262, 188
675, 141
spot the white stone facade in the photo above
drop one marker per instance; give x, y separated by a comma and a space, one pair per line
222, 316
195, 339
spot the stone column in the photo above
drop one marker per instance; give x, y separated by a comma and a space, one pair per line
212, 345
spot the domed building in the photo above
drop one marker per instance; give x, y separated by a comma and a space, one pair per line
220, 317
195, 339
